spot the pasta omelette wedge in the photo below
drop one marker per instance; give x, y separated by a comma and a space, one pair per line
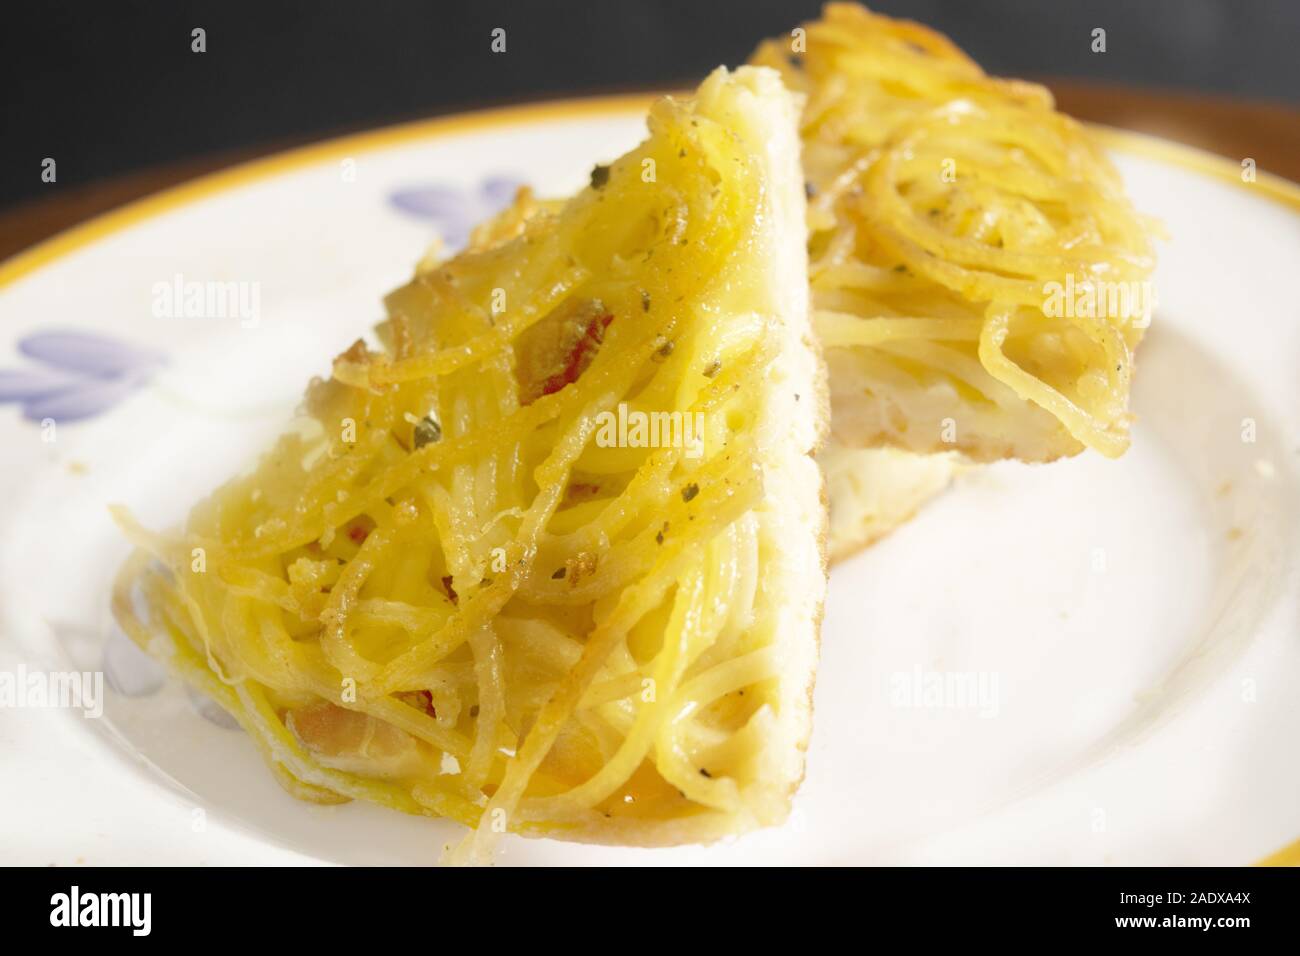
980, 280
548, 558
870, 491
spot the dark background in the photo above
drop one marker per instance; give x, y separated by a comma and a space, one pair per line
109, 87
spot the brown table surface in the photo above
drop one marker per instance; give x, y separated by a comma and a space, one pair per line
1267, 132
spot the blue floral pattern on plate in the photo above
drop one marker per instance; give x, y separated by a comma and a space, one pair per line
453, 210
79, 375
128, 670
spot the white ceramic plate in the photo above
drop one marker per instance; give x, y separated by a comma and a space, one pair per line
1131, 627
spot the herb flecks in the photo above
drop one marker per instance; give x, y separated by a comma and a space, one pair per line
427, 431
599, 176
690, 491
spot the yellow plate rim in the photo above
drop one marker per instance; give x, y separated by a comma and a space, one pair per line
79, 236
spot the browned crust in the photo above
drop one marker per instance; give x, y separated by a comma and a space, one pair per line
822, 385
